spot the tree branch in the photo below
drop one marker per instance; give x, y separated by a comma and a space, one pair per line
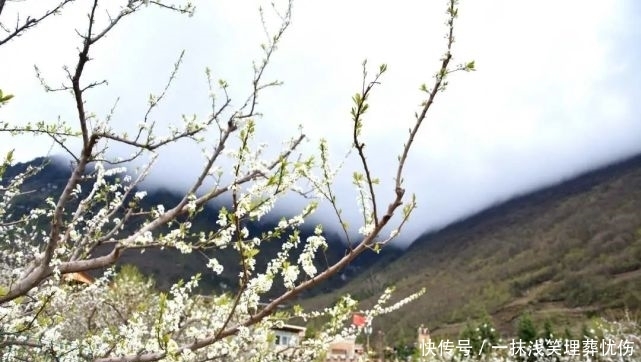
30, 22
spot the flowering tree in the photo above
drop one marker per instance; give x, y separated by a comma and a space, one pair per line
121, 317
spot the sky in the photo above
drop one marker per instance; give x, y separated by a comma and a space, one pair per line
555, 92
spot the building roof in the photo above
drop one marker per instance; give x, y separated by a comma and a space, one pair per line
290, 328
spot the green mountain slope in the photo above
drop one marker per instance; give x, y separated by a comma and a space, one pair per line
564, 254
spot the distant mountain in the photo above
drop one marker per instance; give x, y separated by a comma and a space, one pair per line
169, 266
564, 254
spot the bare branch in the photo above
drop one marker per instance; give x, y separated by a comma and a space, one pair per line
61, 143
185, 10
259, 70
357, 113
436, 88
30, 22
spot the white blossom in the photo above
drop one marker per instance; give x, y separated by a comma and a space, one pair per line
366, 229
290, 274
214, 265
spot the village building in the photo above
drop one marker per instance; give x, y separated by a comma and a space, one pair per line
288, 336
344, 349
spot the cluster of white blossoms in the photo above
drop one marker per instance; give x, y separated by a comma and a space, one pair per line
214, 265
306, 258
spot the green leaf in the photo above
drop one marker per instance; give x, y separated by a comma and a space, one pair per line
297, 309
377, 248
4, 98
470, 66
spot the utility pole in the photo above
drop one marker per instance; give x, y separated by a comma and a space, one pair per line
381, 345
368, 331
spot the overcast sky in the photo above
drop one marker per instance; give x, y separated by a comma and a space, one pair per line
556, 92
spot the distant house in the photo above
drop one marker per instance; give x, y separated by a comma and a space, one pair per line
288, 336
344, 349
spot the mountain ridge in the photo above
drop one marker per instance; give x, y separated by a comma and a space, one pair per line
572, 185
